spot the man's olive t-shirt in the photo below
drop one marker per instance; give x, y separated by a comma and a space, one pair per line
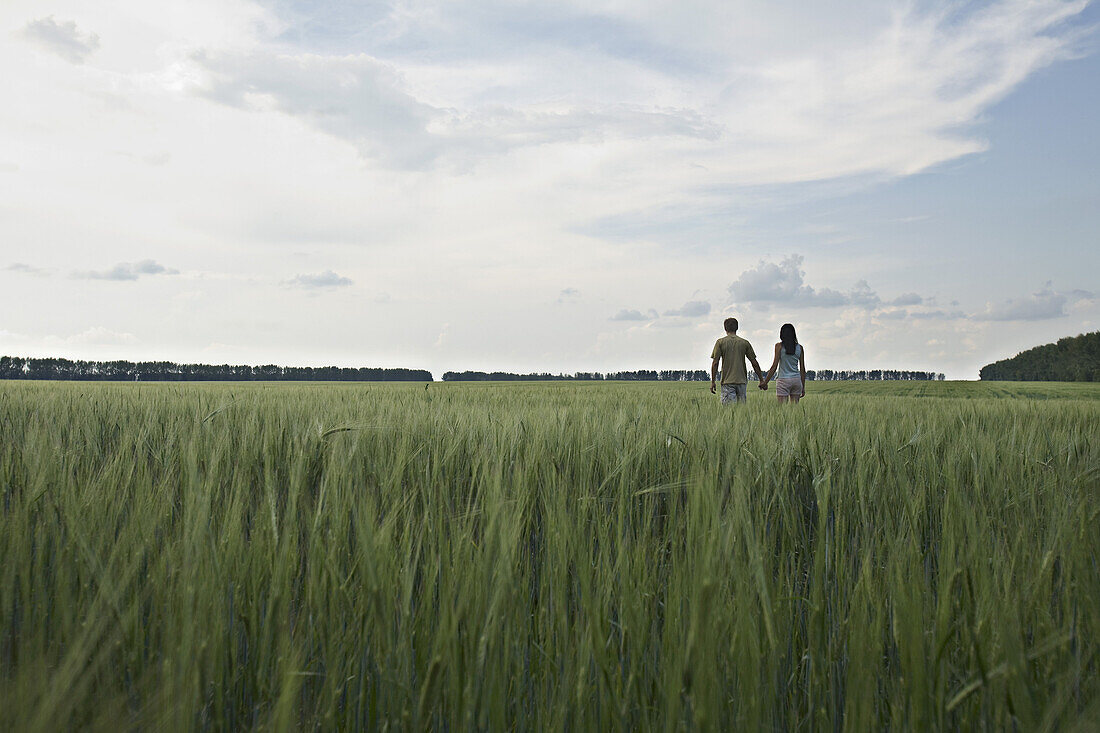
733, 350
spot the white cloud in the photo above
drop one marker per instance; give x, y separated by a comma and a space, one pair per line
126, 271
326, 279
568, 295
1041, 305
907, 299
937, 314
363, 100
893, 96
783, 284
691, 309
152, 267
26, 269
100, 336
769, 282
633, 315
355, 98
861, 294
62, 38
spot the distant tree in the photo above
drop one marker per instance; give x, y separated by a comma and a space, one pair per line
676, 375
1071, 359
166, 371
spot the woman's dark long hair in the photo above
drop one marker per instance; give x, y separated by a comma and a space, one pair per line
788, 337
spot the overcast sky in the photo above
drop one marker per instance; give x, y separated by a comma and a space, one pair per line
547, 186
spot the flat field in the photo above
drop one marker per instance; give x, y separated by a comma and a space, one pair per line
549, 556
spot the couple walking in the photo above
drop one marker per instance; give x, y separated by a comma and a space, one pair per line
732, 350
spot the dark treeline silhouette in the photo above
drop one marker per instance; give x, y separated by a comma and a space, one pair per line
167, 371
873, 375
686, 375
643, 375
1071, 359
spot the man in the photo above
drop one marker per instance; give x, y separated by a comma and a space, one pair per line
732, 350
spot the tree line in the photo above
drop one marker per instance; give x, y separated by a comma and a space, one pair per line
167, 371
643, 375
873, 375
1071, 359
687, 375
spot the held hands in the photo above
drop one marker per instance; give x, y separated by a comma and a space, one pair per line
712, 387
764, 384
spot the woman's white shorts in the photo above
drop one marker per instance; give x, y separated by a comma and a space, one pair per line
788, 387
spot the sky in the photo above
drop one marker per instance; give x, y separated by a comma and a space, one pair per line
547, 186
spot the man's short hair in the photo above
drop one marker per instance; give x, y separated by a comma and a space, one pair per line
730, 324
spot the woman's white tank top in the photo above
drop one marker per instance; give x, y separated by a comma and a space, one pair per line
788, 363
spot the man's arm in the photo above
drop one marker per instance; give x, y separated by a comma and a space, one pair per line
713, 373
750, 354
759, 372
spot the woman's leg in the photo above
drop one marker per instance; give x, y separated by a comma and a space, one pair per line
795, 397
782, 390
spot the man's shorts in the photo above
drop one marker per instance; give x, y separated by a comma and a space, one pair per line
732, 393
788, 387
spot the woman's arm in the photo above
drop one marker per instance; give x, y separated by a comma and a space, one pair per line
802, 369
775, 364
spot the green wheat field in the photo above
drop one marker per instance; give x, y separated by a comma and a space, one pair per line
554, 556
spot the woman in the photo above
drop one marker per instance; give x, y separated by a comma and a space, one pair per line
790, 360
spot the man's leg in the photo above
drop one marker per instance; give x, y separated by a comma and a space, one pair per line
734, 393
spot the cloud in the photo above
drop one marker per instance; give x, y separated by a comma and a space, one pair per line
356, 98
568, 295
1045, 304
152, 267
127, 271
362, 99
118, 272
862, 295
769, 282
907, 299
63, 39
326, 279
691, 309
897, 314
633, 315
26, 269
886, 91
1039, 306
937, 314
100, 336
785, 282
